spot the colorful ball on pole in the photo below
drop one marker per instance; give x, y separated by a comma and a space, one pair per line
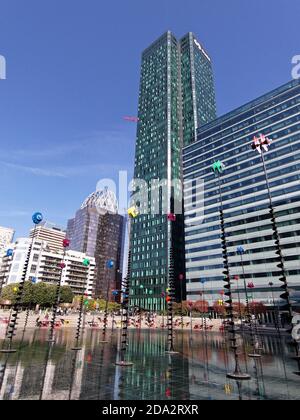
86, 262
240, 250
15, 289
9, 253
37, 218
133, 212
218, 167
62, 265
66, 243
172, 217
110, 264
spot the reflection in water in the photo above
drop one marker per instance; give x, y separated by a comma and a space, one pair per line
40, 370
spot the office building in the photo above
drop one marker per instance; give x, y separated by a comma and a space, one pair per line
176, 98
98, 230
245, 199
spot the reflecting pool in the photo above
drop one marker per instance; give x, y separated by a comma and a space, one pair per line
39, 370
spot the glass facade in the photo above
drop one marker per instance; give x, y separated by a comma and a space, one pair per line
245, 198
99, 233
175, 77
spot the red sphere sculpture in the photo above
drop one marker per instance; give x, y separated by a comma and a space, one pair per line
66, 243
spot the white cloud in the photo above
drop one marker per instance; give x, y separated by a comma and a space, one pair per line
34, 171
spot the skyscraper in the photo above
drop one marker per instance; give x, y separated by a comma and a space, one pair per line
99, 231
176, 97
245, 197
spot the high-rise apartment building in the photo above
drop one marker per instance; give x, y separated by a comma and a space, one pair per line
176, 97
43, 266
245, 197
51, 233
6, 237
98, 230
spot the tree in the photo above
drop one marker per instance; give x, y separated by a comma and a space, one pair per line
257, 308
201, 306
219, 307
239, 308
66, 294
27, 294
8, 293
44, 294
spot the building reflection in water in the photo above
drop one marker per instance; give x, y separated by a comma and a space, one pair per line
54, 372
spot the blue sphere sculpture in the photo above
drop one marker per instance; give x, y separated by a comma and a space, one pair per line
202, 281
37, 218
240, 250
110, 264
9, 253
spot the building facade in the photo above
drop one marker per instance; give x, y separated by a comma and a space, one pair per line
51, 233
43, 266
245, 198
6, 237
176, 97
99, 230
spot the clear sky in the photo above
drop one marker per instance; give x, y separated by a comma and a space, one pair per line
73, 73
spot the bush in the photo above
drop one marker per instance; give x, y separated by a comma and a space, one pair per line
42, 294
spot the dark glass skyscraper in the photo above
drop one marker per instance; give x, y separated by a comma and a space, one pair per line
99, 231
176, 97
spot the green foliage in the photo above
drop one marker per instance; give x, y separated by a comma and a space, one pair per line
42, 294
100, 304
8, 293
66, 294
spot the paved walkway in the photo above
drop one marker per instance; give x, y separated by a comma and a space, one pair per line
97, 321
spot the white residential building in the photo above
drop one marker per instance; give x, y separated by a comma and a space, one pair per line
51, 233
43, 266
6, 237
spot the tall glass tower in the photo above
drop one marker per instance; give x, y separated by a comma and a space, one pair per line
176, 98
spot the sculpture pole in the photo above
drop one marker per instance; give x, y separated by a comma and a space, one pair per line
218, 169
261, 144
80, 322
66, 244
171, 289
110, 265
132, 214
37, 219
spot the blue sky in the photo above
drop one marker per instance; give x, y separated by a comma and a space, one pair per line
73, 72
